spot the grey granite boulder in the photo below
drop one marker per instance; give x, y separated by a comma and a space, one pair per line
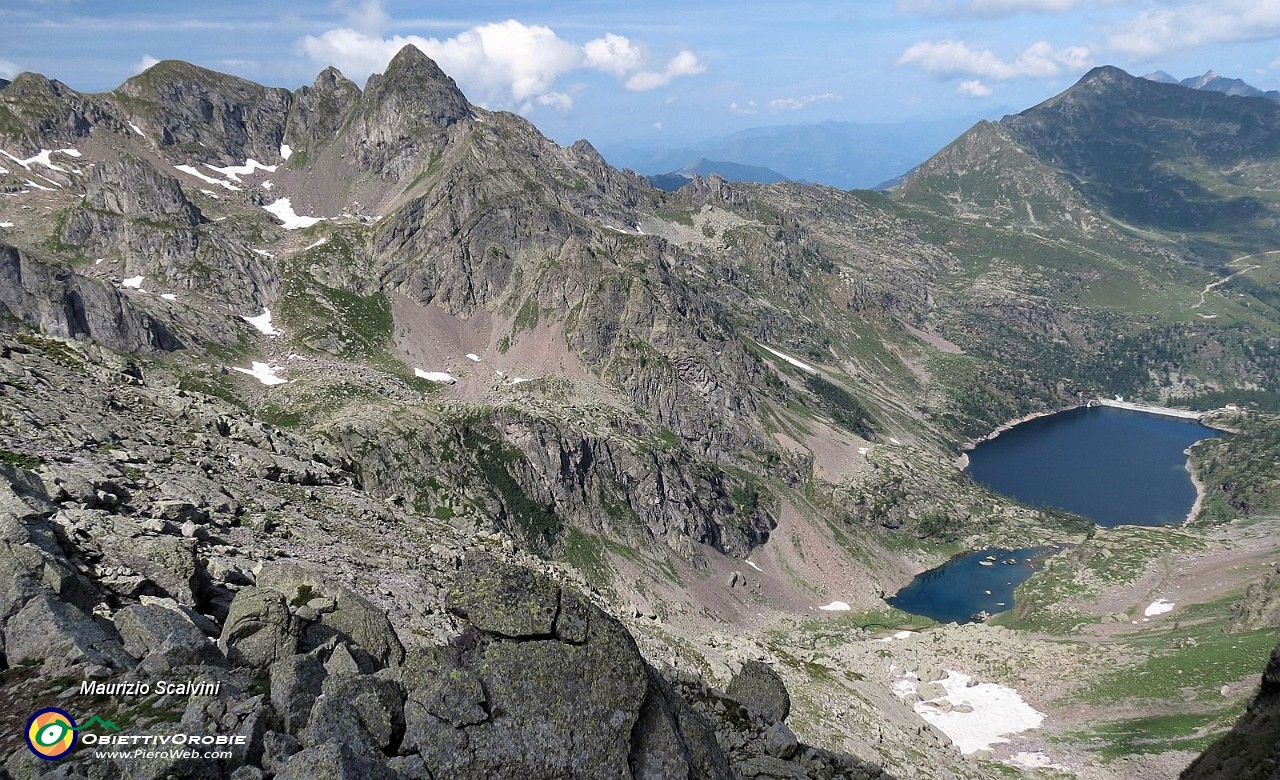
259, 629
164, 638
758, 688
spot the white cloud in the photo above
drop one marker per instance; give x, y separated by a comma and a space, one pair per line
1157, 31
685, 63
503, 63
614, 54
557, 100
975, 88
797, 103
145, 63
743, 108
949, 59
9, 69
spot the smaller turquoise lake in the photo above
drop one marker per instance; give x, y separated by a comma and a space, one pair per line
981, 581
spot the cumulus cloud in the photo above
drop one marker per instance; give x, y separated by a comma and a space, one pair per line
974, 88
951, 59
748, 107
686, 63
985, 7
1158, 31
145, 63
614, 54
9, 69
797, 103
502, 63
557, 100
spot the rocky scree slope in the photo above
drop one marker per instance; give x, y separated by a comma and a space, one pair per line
154, 533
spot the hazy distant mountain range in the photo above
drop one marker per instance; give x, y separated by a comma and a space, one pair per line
1215, 83
841, 154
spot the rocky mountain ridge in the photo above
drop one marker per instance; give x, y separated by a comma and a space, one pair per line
256, 335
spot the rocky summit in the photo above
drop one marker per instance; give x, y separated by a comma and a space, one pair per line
364, 432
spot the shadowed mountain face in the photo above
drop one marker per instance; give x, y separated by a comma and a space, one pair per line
1199, 165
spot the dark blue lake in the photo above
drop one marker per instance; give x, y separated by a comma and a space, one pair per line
967, 584
1113, 466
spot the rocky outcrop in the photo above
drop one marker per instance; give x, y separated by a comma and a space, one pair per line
61, 303
207, 116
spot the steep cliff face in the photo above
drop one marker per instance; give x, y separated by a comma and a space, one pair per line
57, 301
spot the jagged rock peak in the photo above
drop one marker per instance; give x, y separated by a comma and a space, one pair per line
331, 79
411, 72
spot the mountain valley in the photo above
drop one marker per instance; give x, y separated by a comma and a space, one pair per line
452, 452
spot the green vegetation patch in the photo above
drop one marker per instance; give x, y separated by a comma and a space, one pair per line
1200, 658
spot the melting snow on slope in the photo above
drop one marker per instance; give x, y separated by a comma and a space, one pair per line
836, 606
473, 357
793, 361
133, 282
282, 209
434, 376
262, 322
234, 172
981, 716
286, 151
899, 635
1036, 760
190, 171
263, 372
1158, 607
42, 158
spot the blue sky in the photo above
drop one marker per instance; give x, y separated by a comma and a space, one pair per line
677, 70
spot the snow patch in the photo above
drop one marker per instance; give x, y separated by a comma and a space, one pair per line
515, 380
792, 361
6, 224
99, 261
39, 186
282, 209
473, 357
286, 151
263, 252
266, 185
264, 373
42, 158
321, 242
169, 296
136, 129
836, 606
982, 715
900, 635
753, 565
434, 376
211, 194
133, 282
262, 322
191, 171
1158, 607
234, 172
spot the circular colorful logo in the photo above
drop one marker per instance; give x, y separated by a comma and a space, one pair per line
51, 733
